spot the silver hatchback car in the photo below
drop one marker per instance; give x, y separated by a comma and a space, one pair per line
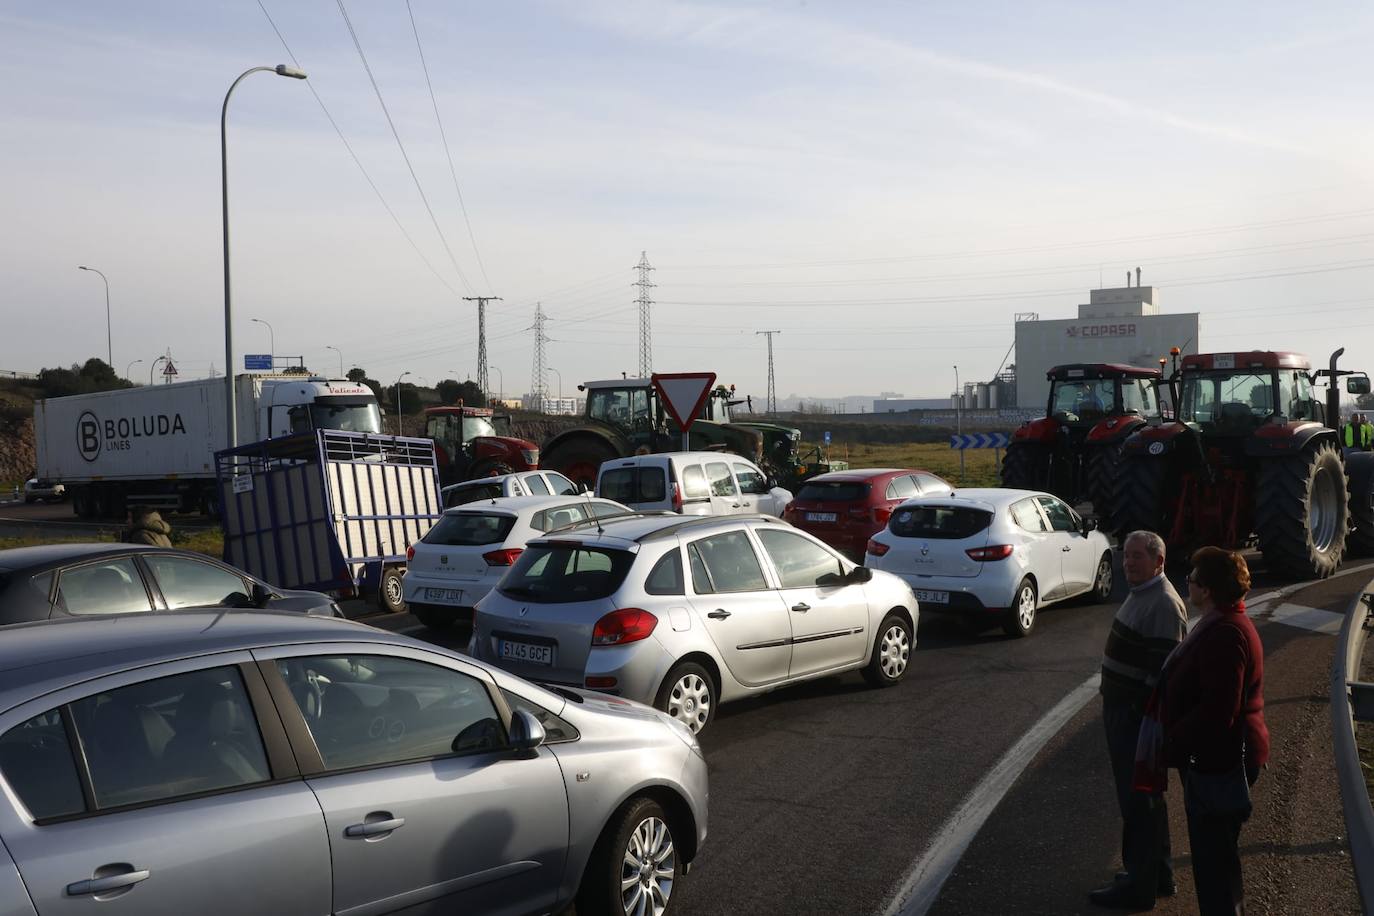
263, 763
687, 613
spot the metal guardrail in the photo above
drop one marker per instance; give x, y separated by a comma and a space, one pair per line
1359, 816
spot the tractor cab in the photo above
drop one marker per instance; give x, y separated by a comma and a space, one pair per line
476, 442
1233, 395
1081, 396
630, 407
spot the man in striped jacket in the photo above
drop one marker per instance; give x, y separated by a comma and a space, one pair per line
1149, 624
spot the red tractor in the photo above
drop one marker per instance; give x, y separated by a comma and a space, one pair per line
1075, 449
1252, 455
475, 442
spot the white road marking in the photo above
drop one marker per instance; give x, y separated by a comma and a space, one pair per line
922, 884
1304, 617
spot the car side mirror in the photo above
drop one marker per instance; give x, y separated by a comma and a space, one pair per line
482, 735
860, 574
1357, 384
770, 483
1088, 524
526, 732
260, 595
829, 580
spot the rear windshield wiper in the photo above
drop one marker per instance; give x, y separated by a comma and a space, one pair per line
563, 692
518, 590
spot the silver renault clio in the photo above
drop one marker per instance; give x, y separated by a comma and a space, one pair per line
687, 613
212, 763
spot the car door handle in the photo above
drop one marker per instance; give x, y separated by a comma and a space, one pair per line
801, 607
374, 828
107, 884
719, 614
1065, 549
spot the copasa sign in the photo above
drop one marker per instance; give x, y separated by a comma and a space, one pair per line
1091, 331
94, 435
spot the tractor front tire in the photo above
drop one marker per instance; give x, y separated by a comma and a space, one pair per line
1360, 541
1302, 512
1104, 466
1025, 467
1137, 501
578, 459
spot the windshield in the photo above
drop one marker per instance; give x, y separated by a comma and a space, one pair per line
1138, 396
566, 573
355, 416
1088, 400
477, 426
939, 522
833, 492
470, 530
1231, 400
625, 407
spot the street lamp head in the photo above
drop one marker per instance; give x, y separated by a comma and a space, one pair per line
82, 267
293, 72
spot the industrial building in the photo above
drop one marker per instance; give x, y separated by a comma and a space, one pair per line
1121, 325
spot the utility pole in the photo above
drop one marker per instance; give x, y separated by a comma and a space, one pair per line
482, 340
646, 342
771, 400
539, 387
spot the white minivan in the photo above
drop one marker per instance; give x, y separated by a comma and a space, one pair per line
692, 483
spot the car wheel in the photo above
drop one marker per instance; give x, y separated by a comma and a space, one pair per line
635, 866
390, 591
1020, 619
688, 694
435, 620
891, 652
1104, 580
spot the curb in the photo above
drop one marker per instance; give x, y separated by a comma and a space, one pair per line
1355, 805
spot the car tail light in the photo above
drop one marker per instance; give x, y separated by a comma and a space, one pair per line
677, 497
629, 624
600, 683
881, 514
984, 554
410, 553
877, 548
504, 557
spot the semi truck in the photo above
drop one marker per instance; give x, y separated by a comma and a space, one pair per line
155, 445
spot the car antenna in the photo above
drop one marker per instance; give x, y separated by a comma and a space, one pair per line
596, 518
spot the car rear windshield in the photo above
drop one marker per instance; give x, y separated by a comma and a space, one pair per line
465, 495
566, 573
945, 522
836, 492
469, 530
634, 485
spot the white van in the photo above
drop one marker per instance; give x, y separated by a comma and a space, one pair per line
692, 483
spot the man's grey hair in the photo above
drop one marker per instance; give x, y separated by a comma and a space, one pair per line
1153, 542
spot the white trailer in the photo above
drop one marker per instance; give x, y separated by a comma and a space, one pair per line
156, 445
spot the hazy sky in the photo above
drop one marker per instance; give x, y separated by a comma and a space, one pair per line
885, 182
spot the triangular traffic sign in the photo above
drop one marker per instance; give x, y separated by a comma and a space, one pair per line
684, 394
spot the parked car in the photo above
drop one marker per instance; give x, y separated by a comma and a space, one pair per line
993, 555
522, 483
846, 508
258, 763
471, 547
37, 488
75, 580
692, 483
689, 613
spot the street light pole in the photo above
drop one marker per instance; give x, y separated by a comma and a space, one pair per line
271, 340
232, 418
154, 366
109, 347
500, 394
959, 420
340, 352
399, 429
130, 367
560, 380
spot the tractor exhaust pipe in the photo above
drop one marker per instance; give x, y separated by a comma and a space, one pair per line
1333, 394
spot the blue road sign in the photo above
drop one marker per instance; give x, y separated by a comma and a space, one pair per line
827, 437
257, 361
979, 440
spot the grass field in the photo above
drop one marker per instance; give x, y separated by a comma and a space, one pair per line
210, 543
980, 469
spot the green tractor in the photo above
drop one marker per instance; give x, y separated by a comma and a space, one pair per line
783, 458
625, 415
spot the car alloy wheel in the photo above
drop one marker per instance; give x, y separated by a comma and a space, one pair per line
894, 650
647, 869
1102, 586
1025, 606
690, 701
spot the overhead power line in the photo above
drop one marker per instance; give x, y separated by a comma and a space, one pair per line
401, 146
447, 153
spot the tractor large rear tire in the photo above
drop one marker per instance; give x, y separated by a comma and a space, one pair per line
579, 459
1138, 499
1360, 467
1104, 466
1025, 467
1302, 511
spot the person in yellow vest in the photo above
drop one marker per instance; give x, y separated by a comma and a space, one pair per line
1352, 431
1366, 433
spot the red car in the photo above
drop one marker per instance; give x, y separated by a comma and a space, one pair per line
846, 508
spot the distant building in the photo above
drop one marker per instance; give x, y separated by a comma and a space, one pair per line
1120, 325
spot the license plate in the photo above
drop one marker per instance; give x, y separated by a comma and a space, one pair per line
526, 652
932, 597
820, 516
446, 595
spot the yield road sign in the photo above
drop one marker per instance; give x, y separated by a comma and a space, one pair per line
979, 440
684, 394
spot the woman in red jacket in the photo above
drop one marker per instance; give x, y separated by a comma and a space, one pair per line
1213, 722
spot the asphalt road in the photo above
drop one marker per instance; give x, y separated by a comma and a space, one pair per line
823, 795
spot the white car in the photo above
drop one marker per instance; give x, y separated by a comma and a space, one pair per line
520, 483
692, 483
35, 488
471, 547
993, 555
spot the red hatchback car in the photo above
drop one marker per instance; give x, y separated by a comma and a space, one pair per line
845, 508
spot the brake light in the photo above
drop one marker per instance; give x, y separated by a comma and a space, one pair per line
629, 624
984, 554
877, 548
677, 497
881, 514
410, 553
503, 557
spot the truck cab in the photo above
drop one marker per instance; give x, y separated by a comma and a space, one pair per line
289, 405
